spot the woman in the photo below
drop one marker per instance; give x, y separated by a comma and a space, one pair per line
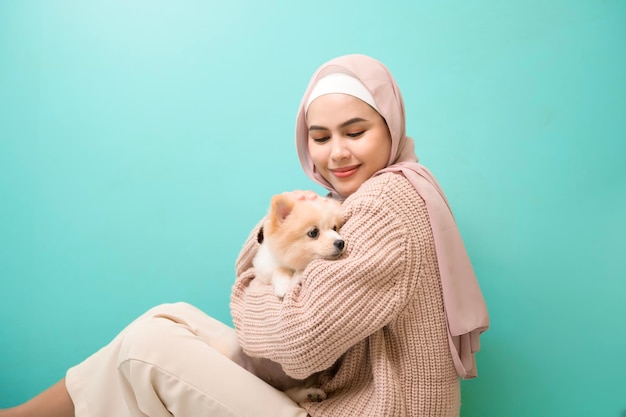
391, 326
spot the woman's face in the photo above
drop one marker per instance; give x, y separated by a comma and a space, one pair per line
348, 141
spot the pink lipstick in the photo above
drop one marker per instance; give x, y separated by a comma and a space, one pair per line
344, 172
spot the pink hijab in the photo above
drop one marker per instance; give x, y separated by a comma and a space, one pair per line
465, 307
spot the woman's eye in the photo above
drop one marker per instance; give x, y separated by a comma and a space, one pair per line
320, 140
313, 233
355, 134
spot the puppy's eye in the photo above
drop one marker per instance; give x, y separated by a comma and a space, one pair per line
335, 228
313, 233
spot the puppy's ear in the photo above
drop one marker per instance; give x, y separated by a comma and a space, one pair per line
281, 208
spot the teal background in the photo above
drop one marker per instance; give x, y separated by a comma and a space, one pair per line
140, 141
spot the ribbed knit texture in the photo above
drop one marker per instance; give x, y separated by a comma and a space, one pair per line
373, 318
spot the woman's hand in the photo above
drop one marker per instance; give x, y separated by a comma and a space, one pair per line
301, 195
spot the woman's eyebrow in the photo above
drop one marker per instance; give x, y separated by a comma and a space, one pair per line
344, 124
353, 120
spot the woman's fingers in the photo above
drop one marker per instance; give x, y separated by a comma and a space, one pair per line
301, 195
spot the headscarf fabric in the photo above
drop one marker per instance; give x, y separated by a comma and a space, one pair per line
465, 308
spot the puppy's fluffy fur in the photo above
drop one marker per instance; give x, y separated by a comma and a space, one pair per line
295, 233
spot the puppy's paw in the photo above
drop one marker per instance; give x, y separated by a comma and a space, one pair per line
315, 395
280, 292
280, 287
300, 395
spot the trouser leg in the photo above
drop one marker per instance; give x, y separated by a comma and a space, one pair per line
163, 364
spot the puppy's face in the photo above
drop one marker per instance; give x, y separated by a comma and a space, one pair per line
303, 230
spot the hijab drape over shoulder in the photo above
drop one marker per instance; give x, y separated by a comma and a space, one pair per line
465, 307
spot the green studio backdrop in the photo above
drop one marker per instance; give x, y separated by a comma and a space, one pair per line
140, 141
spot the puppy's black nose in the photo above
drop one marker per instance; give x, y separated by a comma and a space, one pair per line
339, 244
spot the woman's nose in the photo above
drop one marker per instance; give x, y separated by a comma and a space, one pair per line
339, 150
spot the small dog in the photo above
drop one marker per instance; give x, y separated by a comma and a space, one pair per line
295, 233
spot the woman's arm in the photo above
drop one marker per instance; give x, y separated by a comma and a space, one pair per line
340, 302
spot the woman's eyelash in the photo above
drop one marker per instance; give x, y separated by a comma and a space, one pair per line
350, 135
320, 140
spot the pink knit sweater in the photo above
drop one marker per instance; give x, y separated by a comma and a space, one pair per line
373, 318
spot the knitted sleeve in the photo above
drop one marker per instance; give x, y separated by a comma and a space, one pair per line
340, 302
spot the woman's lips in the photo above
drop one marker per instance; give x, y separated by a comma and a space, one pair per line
344, 172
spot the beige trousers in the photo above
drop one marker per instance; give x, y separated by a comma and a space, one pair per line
163, 364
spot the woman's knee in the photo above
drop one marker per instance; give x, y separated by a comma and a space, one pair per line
169, 309
163, 328
147, 339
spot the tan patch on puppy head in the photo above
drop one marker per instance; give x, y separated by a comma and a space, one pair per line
303, 230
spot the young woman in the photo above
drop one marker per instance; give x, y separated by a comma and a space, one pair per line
391, 326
